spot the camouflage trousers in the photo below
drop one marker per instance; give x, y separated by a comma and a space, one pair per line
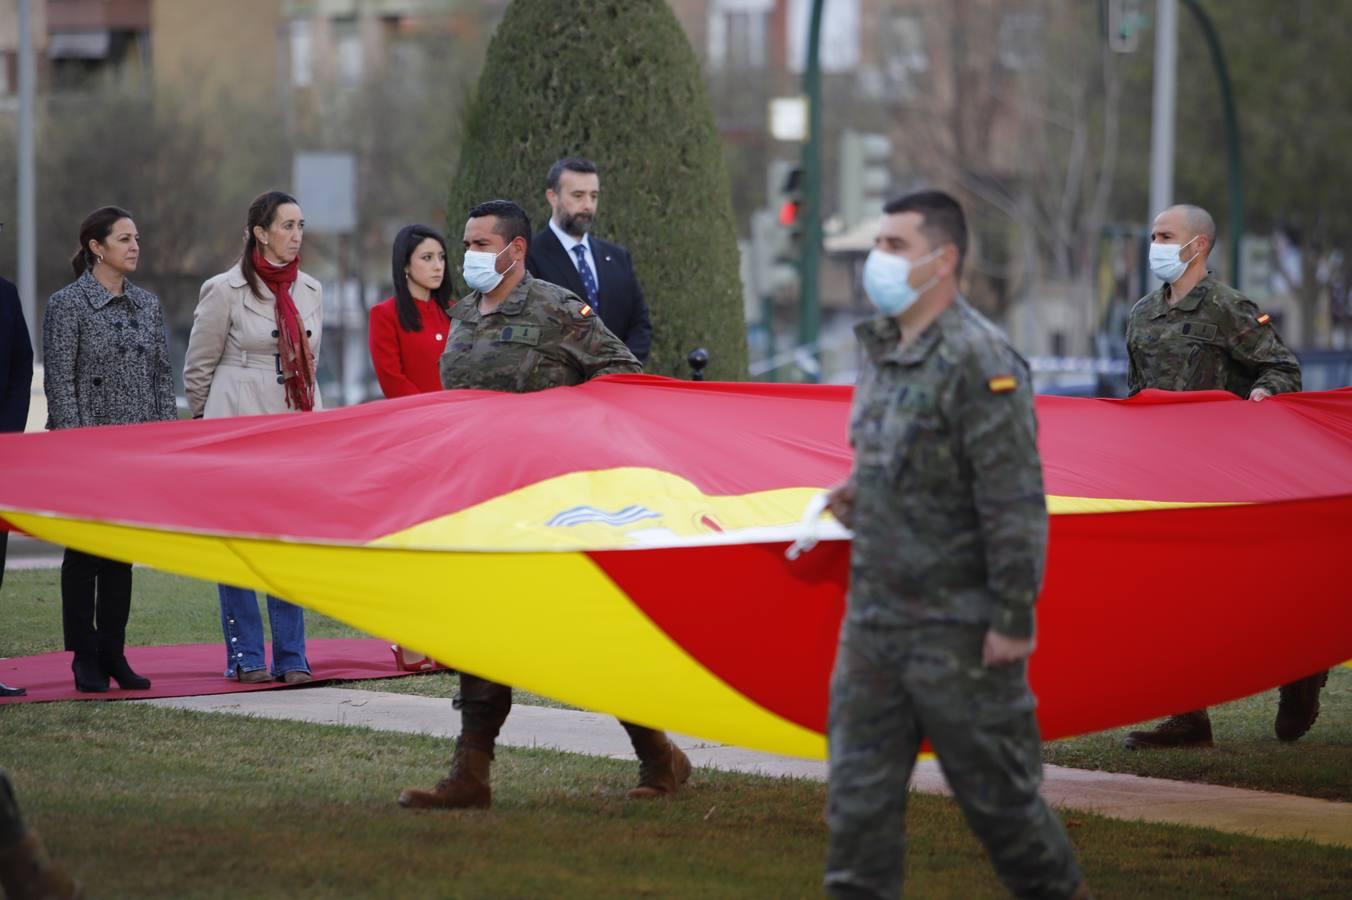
892, 688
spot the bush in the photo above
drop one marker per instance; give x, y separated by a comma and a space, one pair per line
616, 81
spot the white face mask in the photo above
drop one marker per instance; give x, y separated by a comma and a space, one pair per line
1166, 261
481, 270
887, 281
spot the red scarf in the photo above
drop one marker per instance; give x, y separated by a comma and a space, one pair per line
293, 347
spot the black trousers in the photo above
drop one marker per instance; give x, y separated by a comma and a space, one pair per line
95, 604
484, 706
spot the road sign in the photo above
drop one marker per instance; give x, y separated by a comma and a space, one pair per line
326, 186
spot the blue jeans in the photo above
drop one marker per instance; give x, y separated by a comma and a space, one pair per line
243, 627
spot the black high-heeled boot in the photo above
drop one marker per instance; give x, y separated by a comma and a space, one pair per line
89, 675
118, 669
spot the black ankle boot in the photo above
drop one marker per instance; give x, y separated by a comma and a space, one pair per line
89, 675
118, 669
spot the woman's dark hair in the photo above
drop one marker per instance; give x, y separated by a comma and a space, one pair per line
262, 212
405, 242
96, 227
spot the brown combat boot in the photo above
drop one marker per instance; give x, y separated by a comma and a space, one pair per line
467, 787
1299, 706
662, 766
27, 873
1184, 730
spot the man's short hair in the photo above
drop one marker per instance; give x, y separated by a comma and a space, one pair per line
569, 164
1199, 222
512, 221
941, 218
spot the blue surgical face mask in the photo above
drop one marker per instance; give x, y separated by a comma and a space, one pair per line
887, 281
481, 270
1166, 261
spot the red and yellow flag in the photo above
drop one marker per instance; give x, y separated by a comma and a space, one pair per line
620, 545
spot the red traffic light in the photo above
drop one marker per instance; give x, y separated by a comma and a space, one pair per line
788, 213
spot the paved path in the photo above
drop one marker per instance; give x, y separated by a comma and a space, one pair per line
30, 553
1109, 794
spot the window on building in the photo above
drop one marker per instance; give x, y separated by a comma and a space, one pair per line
1020, 38
903, 52
739, 34
349, 59
77, 58
302, 53
840, 37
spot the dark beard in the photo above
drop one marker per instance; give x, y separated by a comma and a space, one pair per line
577, 226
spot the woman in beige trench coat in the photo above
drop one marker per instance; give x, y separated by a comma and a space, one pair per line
253, 350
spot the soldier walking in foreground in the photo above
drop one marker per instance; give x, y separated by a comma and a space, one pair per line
1195, 333
26, 870
950, 529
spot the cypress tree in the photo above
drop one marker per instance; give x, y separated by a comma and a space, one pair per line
616, 82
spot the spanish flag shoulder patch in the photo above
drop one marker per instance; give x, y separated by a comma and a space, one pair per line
1264, 319
1002, 384
585, 311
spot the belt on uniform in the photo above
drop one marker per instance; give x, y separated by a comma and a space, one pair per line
270, 361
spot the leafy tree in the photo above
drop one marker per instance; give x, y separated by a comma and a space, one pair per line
621, 86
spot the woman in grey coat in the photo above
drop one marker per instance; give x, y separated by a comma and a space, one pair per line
107, 363
253, 351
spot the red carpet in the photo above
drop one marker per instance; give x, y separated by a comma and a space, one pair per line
188, 670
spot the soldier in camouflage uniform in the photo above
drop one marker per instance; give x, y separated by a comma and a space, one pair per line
26, 871
950, 525
1194, 333
517, 334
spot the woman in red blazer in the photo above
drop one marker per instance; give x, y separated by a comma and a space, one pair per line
407, 333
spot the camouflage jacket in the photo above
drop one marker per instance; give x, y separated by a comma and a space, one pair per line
1213, 339
541, 336
950, 521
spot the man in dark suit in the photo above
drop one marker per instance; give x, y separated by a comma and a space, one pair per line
599, 272
16, 384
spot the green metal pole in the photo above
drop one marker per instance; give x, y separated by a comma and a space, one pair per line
768, 323
1232, 144
809, 318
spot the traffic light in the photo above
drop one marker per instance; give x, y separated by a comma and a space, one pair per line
777, 229
864, 175
790, 213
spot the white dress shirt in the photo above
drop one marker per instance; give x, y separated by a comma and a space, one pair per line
569, 242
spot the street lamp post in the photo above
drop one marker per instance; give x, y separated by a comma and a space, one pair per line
28, 282
809, 302
1232, 142
1162, 127
1162, 107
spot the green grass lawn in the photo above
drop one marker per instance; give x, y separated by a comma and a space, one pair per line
146, 803
1247, 754
170, 609
165, 609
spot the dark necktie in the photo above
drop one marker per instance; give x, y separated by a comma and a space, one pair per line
588, 278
